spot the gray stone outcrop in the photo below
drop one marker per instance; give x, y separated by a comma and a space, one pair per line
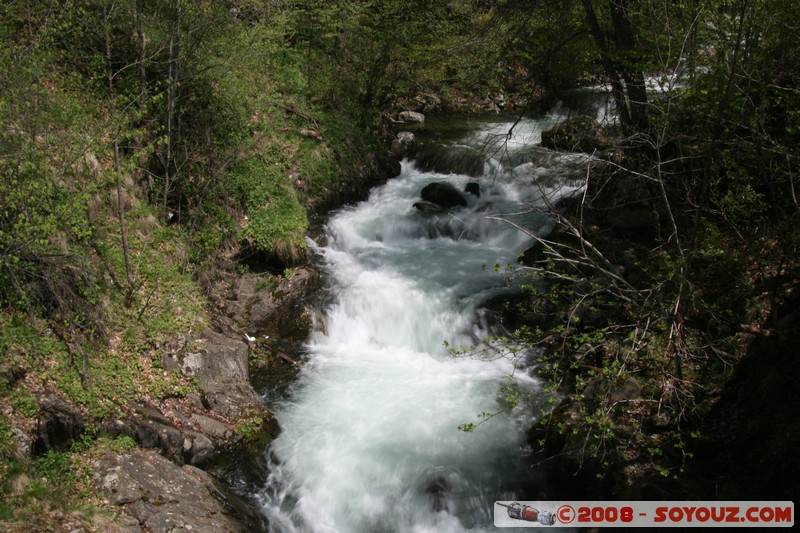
154, 494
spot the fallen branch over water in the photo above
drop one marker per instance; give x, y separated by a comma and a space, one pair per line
289, 359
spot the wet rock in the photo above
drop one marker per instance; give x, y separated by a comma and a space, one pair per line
286, 310
443, 194
437, 490
402, 143
462, 160
164, 497
411, 117
474, 188
429, 207
577, 134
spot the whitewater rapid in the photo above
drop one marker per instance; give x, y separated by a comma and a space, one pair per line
370, 437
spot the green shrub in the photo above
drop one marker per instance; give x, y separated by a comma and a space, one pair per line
277, 221
24, 402
249, 428
60, 470
316, 169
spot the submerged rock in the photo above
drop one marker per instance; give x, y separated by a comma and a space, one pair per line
474, 188
429, 207
437, 490
443, 194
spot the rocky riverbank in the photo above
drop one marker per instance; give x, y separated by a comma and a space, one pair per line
259, 323
198, 406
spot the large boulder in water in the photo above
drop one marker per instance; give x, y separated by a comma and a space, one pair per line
462, 160
576, 134
443, 194
402, 144
474, 188
411, 117
429, 207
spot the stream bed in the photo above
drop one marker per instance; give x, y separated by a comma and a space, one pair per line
370, 437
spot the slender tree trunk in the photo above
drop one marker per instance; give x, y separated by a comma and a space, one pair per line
627, 81
629, 71
142, 51
376, 74
123, 229
617, 89
118, 174
693, 48
174, 56
141, 39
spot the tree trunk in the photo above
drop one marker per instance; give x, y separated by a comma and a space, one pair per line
142, 51
626, 78
118, 175
174, 56
629, 71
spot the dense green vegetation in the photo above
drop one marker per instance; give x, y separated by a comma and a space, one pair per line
646, 327
145, 143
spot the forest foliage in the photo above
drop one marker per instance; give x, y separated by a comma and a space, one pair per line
646, 331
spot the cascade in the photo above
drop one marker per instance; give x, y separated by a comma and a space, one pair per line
369, 434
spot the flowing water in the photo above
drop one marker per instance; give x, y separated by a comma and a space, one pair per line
369, 435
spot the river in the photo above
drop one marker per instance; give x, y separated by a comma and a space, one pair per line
370, 437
